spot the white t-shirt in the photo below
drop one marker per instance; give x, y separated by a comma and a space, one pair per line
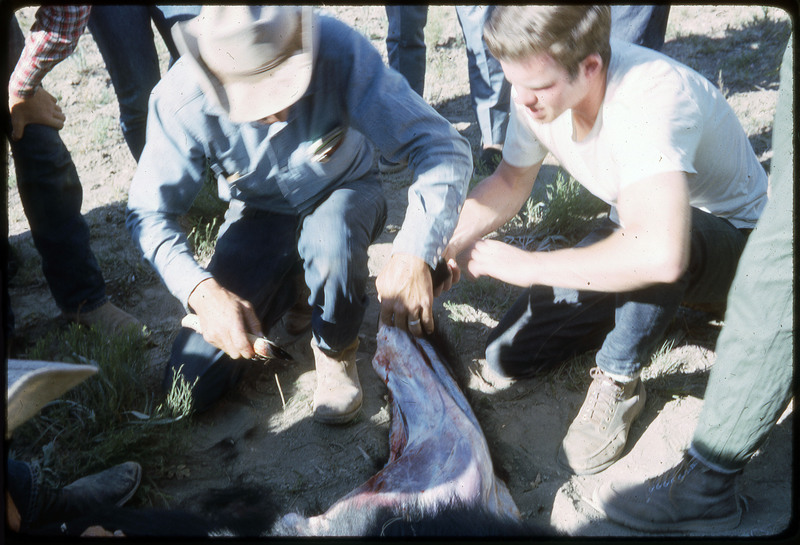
657, 116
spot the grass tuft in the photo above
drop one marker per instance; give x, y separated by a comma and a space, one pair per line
561, 218
110, 418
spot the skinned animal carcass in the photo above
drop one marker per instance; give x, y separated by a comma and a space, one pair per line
439, 479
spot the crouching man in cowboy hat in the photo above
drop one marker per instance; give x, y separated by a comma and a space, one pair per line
287, 107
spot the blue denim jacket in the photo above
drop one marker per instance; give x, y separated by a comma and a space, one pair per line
353, 100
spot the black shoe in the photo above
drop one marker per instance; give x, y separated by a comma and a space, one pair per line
112, 487
689, 497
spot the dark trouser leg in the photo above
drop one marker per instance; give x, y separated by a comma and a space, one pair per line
51, 195
642, 25
405, 43
125, 39
549, 325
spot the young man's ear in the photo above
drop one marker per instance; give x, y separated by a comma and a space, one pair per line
592, 65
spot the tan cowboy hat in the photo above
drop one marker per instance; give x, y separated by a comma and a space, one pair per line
254, 61
33, 384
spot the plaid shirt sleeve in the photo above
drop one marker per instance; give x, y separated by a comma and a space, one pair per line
53, 37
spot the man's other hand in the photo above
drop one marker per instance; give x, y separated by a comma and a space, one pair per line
40, 108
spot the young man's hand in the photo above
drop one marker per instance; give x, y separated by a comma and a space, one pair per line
405, 291
40, 108
225, 319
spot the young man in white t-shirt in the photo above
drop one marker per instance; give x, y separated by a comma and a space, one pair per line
657, 142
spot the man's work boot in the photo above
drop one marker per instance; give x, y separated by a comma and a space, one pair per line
109, 319
689, 497
112, 487
337, 397
597, 436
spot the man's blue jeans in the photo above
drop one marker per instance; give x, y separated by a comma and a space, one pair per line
547, 326
125, 39
489, 89
405, 42
258, 257
642, 25
51, 196
23, 484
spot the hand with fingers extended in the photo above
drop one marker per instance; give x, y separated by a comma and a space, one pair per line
40, 108
225, 319
405, 291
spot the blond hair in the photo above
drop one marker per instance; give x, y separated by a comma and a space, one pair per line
567, 33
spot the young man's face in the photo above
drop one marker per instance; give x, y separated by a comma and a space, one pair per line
543, 86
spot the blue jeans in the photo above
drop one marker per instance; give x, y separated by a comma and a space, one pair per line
51, 195
125, 39
642, 25
258, 257
23, 484
547, 326
488, 87
405, 42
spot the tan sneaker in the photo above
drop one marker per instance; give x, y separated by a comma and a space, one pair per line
337, 397
108, 318
597, 436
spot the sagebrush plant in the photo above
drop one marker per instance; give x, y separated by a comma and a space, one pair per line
111, 417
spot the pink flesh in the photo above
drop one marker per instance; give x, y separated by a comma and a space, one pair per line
438, 453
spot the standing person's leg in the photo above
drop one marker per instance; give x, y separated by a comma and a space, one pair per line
597, 436
165, 18
489, 90
642, 25
405, 48
405, 42
333, 244
51, 195
750, 384
125, 39
255, 258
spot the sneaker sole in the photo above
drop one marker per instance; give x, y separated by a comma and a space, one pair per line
337, 418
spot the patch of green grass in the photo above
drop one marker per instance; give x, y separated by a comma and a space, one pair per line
101, 130
80, 60
109, 418
202, 238
561, 218
205, 218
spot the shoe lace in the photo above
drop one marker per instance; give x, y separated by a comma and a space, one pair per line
603, 395
675, 475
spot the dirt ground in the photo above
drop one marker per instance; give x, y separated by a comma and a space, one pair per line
261, 441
